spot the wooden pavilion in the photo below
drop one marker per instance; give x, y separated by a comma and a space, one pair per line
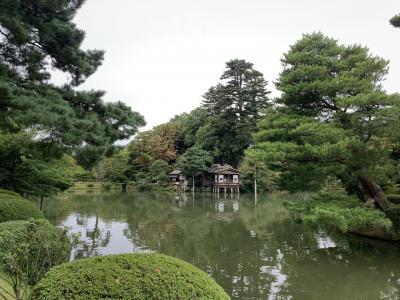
218, 178
223, 178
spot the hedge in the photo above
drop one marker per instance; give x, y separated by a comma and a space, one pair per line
28, 249
17, 208
128, 276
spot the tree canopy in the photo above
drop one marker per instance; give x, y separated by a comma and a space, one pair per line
233, 108
395, 21
194, 160
333, 117
34, 36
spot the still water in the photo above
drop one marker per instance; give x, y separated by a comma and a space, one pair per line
253, 250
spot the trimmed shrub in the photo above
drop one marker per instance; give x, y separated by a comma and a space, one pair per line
128, 276
17, 208
28, 249
8, 192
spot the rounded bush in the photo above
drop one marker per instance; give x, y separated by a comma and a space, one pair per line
8, 192
17, 208
128, 276
28, 249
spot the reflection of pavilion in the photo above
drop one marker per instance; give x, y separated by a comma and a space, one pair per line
181, 199
226, 206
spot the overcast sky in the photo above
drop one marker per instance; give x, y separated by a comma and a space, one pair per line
162, 56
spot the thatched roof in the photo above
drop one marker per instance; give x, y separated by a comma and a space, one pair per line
175, 172
224, 169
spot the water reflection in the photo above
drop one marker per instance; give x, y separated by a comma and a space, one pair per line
253, 251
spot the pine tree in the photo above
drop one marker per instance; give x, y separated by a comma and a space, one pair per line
395, 21
38, 35
334, 119
234, 107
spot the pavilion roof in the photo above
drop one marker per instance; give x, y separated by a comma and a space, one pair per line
222, 169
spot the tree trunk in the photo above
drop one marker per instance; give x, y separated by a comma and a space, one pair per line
375, 192
41, 202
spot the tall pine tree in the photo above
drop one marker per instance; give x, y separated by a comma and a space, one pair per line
234, 106
334, 119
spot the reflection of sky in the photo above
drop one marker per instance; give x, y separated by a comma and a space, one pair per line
324, 241
118, 242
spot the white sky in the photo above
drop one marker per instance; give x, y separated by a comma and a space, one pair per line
162, 56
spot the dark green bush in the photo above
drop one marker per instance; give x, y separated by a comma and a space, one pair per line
128, 276
393, 213
28, 249
344, 213
90, 185
17, 208
8, 192
393, 198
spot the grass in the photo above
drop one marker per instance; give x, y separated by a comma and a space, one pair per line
86, 185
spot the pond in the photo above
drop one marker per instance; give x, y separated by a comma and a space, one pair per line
253, 250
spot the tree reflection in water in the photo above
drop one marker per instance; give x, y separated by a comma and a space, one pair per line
253, 251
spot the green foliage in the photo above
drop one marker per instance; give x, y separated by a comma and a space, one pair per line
26, 169
393, 198
45, 31
160, 143
17, 208
113, 168
191, 123
318, 72
233, 108
128, 276
343, 213
194, 160
333, 118
158, 171
40, 122
254, 169
7, 192
395, 21
28, 249
393, 213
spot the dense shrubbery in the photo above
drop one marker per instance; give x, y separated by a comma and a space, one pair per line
393, 213
393, 198
17, 208
28, 249
345, 213
7, 192
128, 276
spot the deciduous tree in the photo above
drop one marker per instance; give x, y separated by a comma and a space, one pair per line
194, 160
